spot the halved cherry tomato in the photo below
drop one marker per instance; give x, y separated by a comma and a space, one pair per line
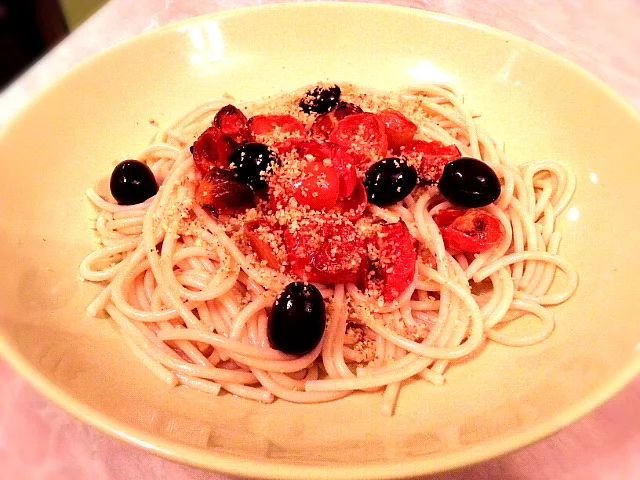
286, 146
220, 193
232, 122
363, 133
469, 231
344, 109
400, 130
429, 157
340, 159
354, 205
324, 123
257, 231
268, 124
327, 251
211, 150
397, 258
317, 187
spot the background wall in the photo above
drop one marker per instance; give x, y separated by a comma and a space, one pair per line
77, 11
30, 28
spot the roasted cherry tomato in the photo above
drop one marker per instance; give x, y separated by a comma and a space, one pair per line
324, 124
353, 206
232, 122
220, 192
429, 157
469, 231
211, 150
261, 234
400, 130
339, 158
326, 250
397, 259
363, 133
317, 187
269, 124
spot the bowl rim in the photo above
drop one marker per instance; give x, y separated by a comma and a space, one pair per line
246, 467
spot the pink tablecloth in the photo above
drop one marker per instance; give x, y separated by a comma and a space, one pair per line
40, 441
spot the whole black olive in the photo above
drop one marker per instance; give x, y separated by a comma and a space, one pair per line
251, 162
389, 181
297, 320
469, 182
132, 182
320, 100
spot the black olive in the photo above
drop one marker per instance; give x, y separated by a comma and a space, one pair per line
320, 100
389, 181
297, 320
469, 182
132, 182
251, 162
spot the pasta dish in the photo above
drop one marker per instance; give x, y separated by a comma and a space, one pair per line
327, 241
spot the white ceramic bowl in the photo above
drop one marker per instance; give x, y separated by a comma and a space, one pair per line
539, 104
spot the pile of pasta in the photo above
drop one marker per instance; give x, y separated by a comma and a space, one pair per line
193, 304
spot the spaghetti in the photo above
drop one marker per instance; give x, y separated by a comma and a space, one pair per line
192, 298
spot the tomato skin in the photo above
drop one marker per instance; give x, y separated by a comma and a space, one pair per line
219, 192
327, 252
399, 129
268, 124
324, 123
469, 231
339, 171
211, 150
340, 158
363, 133
430, 157
261, 247
398, 259
318, 187
353, 206
232, 122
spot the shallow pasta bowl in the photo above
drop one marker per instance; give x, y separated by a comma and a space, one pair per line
540, 105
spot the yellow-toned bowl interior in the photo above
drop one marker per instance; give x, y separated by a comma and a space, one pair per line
539, 104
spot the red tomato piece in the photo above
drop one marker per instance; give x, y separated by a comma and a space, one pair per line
397, 258
340, 158
286, 146
211, 150
344, 109
269, 124
345, 163
400, 130
324, 123
220, 193
259, 232
469, 231
317, 187
232, 122
429, 157
327, 251
363, 133
353, 207
318, 150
